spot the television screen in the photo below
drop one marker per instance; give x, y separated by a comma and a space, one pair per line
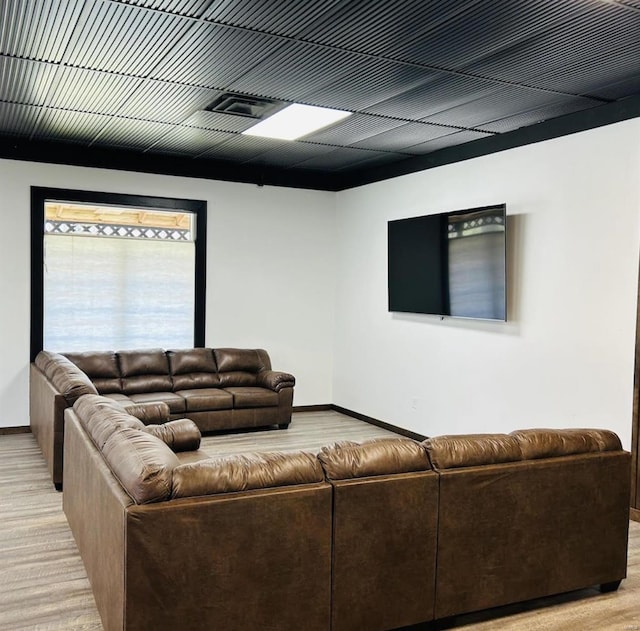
450, 264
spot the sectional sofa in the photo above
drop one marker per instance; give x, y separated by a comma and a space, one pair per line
219, 389
359, 537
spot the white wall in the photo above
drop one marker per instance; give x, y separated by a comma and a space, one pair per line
270, 271
565, 357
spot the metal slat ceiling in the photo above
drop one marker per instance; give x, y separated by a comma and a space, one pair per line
138, 76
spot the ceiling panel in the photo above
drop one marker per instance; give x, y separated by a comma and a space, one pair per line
108, 34
289, 18
458, 138
370, 81
132, 133
504, 103
435, 96
37, 29
485, 28
189, 141
290, 154
353, 129
603, 31
531, 117
24, 81
214, 56
166, 102
382, 25
294, 70
219, 121
242, 148
18, 120
75, 127
193, 8
90, 91
341, 157
405, 136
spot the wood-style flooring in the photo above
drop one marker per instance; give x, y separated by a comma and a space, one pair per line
43, 585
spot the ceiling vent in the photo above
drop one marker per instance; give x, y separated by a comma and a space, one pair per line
243, 105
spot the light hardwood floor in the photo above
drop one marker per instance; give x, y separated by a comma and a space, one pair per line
43, 585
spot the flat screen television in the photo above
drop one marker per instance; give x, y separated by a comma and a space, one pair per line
449, 264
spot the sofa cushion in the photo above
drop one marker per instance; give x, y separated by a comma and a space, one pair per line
148, 412
552, 443
241, 359
180, 435
65, 376
101, 367
380, 456
100, 417
227, 474
144, 371
175, 402
469, 450
142, 463
203, 399
237, 379
193, 368
253, 397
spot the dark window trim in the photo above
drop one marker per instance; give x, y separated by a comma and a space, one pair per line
40, 195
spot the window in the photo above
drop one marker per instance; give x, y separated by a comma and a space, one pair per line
116, 272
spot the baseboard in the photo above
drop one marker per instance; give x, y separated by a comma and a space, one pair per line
325, 407
374, 421
634, 514
22, 429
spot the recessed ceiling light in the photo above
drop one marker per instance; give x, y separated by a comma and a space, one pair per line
296, 121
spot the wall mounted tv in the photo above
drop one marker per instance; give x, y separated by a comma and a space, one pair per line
450, 264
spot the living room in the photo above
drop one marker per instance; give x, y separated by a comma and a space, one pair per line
302, 272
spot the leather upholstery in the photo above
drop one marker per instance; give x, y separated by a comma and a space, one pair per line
244, 472
193, 368
241, 359
261, 541
249, 397
551, 443
206, 399
233, 560
449, 452
65, 376
144, 371
385, 518
180, 435
381, 456
101, 367
152, 412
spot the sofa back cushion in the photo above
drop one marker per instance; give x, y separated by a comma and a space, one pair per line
380, 456
193, 368
239, 366
142, 463
470, 450
227, 474
553, 443
101, 367
65, 376
144, 371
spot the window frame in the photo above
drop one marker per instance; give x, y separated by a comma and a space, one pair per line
40, 195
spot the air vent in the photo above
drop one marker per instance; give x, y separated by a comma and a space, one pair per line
243, 105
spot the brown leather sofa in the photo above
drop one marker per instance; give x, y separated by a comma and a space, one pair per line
219, 389
371, 536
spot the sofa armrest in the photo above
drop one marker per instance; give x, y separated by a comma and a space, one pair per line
181, 435
275, 380
151, 412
